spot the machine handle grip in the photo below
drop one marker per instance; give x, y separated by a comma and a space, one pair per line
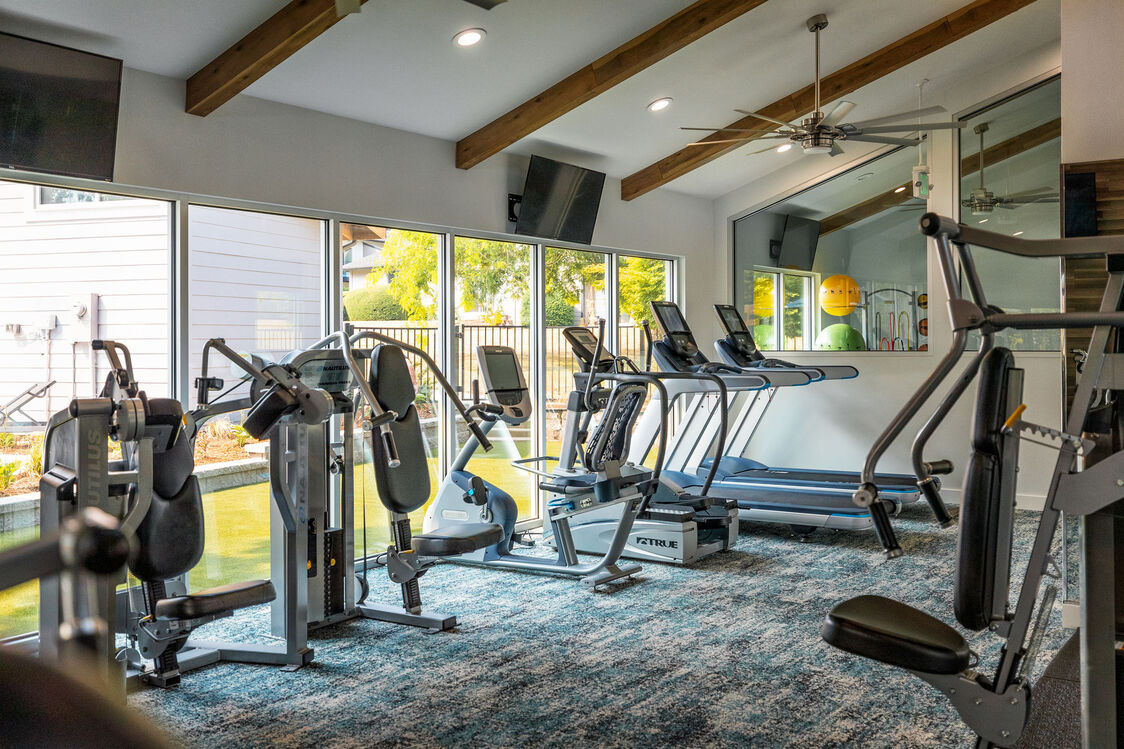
885, 529
391, 448
478, 433
931, 491
933, 224
939, 467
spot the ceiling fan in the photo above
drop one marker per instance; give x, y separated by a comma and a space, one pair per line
982, 201
346, 7
820, 133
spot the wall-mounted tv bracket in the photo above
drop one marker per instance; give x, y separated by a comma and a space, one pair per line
512, 201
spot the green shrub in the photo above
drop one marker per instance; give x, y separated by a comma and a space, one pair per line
7, 441
36, 455
7, 470
559, 312
372, 304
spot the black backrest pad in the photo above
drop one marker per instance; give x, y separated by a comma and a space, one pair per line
405, 488
390, 378
613, 435
983, 495
172, 461
170, 538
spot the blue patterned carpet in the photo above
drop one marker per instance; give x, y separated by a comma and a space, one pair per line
726, 653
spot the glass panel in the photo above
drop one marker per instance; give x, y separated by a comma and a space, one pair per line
640, 280
253, 279
852, 240
1016, 192
69, 275
493, 308
761, 309
390, 286
575, 295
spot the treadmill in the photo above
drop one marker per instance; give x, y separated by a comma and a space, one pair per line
776, 495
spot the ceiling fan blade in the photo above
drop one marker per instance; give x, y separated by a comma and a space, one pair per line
1038, 192
905, 127
485, 4
1032, 200
912, 115
745, 139
763, 150
727, 130
346, 7
883, 139
835, 149
765, 117
841, 110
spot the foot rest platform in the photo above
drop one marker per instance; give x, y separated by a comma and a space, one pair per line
891, 632
215, 601
667, 512
456, 539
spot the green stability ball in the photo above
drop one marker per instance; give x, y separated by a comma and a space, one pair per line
840, 337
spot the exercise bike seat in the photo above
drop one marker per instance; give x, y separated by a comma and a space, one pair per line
892, 632
456, 539
215, 601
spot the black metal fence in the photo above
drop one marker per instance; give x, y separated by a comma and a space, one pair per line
560, 362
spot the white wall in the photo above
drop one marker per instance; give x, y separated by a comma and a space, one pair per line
833, 425
53, 256
1092, 90
252, 149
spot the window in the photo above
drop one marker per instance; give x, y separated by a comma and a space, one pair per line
841, 262
254, 280
640, 280
493, 307
101, 276
1013, 190
575, 295
62, 195
390, 286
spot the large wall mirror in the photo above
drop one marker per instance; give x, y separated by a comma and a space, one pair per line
839, 266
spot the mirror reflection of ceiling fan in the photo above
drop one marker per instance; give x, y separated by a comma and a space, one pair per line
820, 133
982, 201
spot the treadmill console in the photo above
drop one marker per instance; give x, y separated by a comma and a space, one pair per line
504, 381
677, 335
738, 337
584, 344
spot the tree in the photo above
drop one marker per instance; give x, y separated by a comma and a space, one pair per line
641, 280
372, 304
410, 261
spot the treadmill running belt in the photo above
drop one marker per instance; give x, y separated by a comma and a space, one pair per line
822, 477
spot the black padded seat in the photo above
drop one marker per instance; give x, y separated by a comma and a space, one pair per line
892, 632
457, 539
215, 601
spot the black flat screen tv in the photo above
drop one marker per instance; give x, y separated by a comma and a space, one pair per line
1080, 205
798, 243
58, 108
560, 201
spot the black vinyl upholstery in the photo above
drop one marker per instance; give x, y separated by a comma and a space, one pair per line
982, 495
214, 601
405, 488
174, 461
892, 632
456, 539
170, 538
611, 439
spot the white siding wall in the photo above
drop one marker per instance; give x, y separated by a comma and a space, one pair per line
254, 280
52, 256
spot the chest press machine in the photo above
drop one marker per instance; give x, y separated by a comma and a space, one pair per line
997, 707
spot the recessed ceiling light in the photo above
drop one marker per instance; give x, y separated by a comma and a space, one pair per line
469, 37
1017, 234
983, 220
660, 104
900, 189
783, 147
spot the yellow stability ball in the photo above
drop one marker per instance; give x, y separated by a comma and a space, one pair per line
839, 295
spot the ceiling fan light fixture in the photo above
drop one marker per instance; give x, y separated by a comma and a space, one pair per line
660, 104
818, 149
784, 147
469, 37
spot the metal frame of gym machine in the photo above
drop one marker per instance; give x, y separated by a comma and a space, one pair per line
1089, 494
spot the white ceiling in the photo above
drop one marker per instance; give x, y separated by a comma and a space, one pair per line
394, 64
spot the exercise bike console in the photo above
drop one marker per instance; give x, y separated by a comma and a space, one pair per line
504, 381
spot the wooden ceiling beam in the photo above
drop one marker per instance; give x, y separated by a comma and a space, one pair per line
1024, 141
909, 49
260, 51
640, 53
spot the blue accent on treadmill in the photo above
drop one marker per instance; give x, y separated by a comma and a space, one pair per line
538, 660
